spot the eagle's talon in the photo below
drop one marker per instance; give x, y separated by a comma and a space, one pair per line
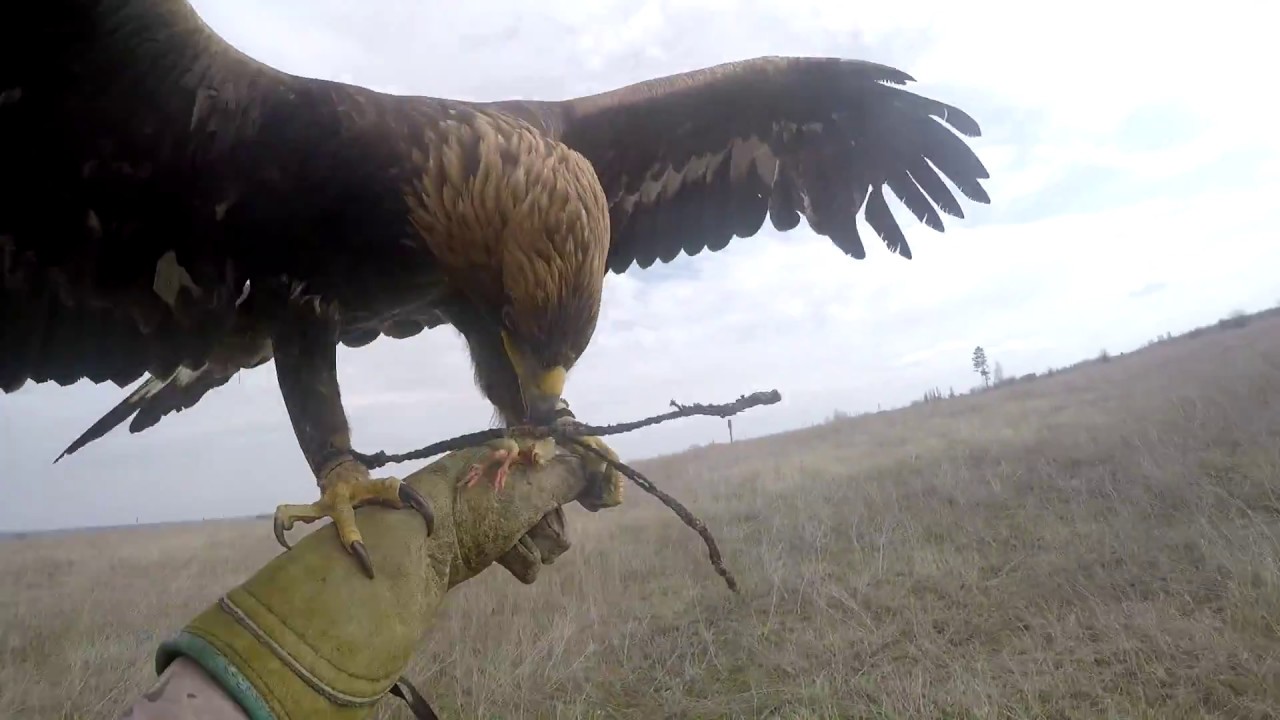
409, 494
279, 526
607, 489
362, 556
344, 488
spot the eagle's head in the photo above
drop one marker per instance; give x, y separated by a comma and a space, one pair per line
553, 269
521, 226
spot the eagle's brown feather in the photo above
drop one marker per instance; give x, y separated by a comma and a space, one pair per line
519, 227
508, 211
166, 199
691, 161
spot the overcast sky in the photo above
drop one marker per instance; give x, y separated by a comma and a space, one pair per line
1134, 191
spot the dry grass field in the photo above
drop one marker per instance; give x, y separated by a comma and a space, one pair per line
1099, 543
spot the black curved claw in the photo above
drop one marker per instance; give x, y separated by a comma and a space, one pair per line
278, 527
408, 494
362, 556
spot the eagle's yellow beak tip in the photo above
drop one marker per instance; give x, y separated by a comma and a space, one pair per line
544, 397
551, 383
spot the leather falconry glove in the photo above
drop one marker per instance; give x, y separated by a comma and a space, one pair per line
311, 636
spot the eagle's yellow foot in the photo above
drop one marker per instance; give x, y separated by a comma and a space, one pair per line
505, 452
345, 487
608, 492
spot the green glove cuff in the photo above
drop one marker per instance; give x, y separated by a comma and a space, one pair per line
217, 666
277, 672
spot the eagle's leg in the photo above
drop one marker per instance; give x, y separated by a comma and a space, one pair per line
306, 355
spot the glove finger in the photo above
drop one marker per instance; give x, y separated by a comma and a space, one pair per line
544, 542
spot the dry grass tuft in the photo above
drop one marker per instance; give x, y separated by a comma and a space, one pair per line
1099, 543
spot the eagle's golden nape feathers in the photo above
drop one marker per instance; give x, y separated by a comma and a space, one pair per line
522, 223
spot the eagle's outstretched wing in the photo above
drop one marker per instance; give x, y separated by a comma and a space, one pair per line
690, 161
149, 170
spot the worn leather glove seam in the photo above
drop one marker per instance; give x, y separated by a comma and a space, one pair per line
266, 610
333, 695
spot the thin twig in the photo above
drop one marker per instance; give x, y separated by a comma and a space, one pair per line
380, 458
573, 431
573, 427
723, 410
713, 550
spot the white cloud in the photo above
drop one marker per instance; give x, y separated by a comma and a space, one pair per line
1129, 150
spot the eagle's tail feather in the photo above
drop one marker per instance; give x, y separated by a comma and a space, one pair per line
155, 398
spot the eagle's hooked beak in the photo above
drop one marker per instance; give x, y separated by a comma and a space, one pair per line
542, 395
540, 387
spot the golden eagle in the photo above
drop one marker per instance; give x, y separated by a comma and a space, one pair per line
170, 206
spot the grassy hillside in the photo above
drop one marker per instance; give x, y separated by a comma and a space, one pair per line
1097, 543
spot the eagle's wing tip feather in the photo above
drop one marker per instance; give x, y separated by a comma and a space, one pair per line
963, 122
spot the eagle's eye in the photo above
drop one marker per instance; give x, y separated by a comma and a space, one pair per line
508, 318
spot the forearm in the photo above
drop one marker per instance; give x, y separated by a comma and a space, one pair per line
184, 691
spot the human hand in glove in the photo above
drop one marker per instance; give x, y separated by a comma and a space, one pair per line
310, 636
